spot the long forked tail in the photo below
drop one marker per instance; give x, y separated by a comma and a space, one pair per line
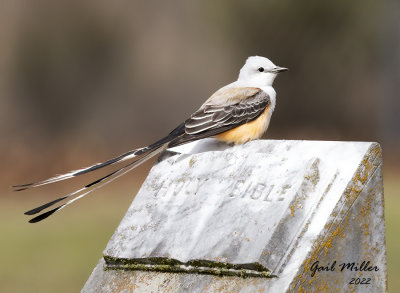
126, 156
139, 156
91, 186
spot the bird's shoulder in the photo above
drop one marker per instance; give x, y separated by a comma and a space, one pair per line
232, 94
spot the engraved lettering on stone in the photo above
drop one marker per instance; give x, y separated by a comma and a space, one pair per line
200, 183
257, 191
163, 189
236, 192
179, 186
266, 197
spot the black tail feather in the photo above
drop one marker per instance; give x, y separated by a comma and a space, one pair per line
45, 206
44, 215
91, 186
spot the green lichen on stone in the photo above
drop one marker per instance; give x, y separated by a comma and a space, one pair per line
313, 176
285, 188
191, 162
165, 264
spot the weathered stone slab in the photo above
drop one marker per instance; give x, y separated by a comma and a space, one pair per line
213, 217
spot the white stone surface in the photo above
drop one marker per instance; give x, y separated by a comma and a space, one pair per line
266, 202
227, 205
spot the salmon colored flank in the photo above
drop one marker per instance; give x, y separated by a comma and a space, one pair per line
246, 132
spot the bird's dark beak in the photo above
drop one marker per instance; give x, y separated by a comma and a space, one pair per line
278, 69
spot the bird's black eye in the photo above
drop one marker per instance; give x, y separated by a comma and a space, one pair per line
261, 69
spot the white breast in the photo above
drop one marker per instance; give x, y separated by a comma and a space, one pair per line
272, 94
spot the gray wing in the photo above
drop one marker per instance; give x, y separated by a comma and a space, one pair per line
211, 117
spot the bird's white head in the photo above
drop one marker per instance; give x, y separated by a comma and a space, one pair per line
259, 71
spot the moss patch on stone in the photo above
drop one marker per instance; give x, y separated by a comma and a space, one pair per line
164, 264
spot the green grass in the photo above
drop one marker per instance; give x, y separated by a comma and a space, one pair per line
59, 254
392, 217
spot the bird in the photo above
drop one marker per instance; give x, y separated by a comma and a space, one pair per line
235, 114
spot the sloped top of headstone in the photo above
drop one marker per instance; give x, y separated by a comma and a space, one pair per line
237, 210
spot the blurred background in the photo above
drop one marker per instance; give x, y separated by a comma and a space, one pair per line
82, 81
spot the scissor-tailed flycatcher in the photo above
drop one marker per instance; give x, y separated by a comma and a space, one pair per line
236, 113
